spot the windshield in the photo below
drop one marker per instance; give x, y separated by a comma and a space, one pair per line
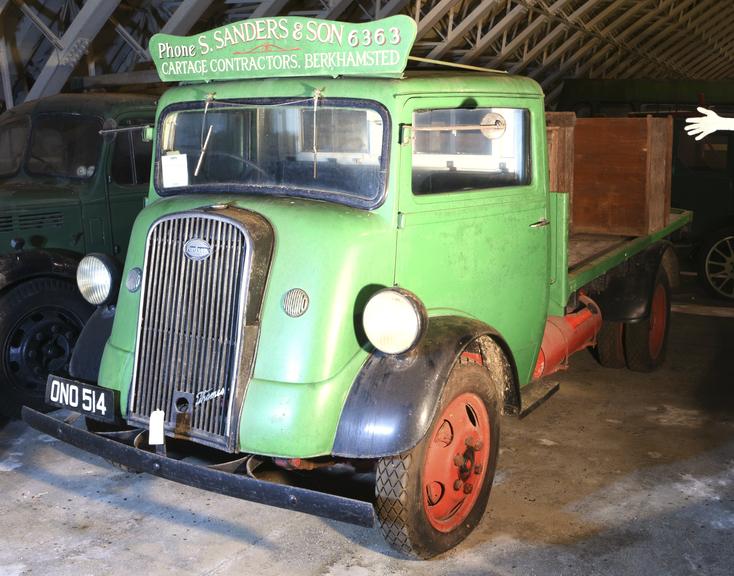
335, 150
65, 145
13, 142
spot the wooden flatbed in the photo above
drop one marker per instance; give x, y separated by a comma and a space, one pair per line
591, 255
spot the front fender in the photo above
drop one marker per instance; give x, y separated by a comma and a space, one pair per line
25, 264
87, 356
393, 400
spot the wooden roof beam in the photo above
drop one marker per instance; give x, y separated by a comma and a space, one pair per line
558, 31
522, 38
618, 41
185, 16
519, 12
456, 35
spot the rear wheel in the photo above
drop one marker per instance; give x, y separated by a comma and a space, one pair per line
646, 341
430, 498
609, 350
40, 321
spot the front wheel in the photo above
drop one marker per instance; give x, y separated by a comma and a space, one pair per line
40, 321
430, 498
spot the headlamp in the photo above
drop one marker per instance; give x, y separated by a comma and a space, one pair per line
394, 320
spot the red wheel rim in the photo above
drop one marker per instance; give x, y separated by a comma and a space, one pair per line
456, 462
658, 319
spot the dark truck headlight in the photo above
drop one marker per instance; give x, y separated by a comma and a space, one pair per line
394, 320
98, 278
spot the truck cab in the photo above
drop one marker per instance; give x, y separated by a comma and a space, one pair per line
67, 188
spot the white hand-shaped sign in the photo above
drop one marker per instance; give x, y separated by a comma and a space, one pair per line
702, 126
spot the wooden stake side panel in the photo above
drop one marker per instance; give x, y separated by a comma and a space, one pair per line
621, 175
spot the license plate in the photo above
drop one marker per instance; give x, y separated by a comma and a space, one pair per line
94, 401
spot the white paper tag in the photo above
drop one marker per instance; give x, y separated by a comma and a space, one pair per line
155, 434
175, 170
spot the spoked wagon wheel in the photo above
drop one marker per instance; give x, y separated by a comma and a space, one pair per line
430, 498
646, 341
716, 265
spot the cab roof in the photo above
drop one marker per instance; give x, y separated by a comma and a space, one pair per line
95, 103
413, 83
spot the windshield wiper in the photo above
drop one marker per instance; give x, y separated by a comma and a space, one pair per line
203, 150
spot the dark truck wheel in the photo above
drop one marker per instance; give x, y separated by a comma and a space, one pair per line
609, 349
716, 264
430, 498
646, 341
40, 321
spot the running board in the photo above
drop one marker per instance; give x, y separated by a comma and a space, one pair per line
534, 394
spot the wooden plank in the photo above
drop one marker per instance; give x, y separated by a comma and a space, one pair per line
582, 248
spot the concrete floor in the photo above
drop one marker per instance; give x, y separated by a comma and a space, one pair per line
619, 473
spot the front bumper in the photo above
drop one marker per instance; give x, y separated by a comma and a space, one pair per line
227, 483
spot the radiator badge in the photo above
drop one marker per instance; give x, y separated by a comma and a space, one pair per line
206, 395
197, 249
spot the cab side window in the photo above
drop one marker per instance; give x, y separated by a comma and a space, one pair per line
458, 150
131, 157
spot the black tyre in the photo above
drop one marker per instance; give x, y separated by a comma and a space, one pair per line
716, 264
430, 498
40, 321
646, 341
609, 349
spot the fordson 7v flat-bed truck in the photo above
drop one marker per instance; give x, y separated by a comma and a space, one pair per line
346, 267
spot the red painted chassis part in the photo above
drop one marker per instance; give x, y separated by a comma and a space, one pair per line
566, 335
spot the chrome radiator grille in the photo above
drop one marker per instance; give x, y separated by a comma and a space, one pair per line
190, 326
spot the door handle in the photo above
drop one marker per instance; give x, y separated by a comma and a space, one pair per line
540, 223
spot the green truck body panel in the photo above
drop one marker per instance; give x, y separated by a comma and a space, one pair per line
429, 244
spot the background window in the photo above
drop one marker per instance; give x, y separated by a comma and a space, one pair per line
708, 154
13, 140
470, 149
65, 145
131, 157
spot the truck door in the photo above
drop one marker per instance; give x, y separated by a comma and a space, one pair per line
127, 182
472, 234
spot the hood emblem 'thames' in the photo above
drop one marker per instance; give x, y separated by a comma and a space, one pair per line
197, 249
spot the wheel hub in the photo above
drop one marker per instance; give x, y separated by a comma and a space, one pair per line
455, 462
41, 342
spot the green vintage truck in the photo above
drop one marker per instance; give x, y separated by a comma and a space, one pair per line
65, 190
346, 270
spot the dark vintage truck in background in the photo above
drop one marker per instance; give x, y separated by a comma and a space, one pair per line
65, 190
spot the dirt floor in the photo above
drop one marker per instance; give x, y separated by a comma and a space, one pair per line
618, 473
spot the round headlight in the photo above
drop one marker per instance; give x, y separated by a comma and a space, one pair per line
96, 278
394, 320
